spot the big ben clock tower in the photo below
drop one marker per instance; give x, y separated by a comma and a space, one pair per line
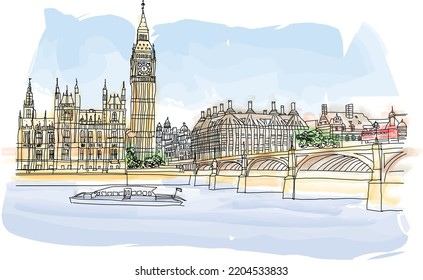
143, 87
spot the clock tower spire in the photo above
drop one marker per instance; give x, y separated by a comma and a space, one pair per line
143, 89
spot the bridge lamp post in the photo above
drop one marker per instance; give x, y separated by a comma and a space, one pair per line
376, 126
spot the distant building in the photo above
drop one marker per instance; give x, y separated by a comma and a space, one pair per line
347, 125
228, 133
392, 130
173, 143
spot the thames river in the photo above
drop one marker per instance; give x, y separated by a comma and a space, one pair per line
259, 222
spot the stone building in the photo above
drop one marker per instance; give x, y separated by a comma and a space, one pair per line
173, 143
73, 139
228, 133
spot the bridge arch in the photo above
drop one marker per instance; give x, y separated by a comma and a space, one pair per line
229, 166
268, 164
392, 166
204, 167
334, 163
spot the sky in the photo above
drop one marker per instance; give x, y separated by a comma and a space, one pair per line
201, 64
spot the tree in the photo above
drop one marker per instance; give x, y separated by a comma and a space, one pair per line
315, 138
132, 161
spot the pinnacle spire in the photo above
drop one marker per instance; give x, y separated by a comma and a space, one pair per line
57, 86
76, 86
143, 33
29, 84
29, 100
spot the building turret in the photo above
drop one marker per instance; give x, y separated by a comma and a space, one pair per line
402, 130
391, 116
28, 106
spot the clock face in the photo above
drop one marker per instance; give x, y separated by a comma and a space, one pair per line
144, 68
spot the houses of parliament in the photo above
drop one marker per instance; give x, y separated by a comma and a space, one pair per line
76, 139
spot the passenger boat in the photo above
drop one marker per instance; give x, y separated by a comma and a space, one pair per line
129, 196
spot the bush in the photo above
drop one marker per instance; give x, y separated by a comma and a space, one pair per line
315, 138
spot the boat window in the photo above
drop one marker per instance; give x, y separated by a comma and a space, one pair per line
144, 193
149, 193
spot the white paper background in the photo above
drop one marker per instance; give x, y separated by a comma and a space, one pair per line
399, 25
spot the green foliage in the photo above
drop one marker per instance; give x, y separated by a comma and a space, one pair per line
153, 161
315, 138
133, 162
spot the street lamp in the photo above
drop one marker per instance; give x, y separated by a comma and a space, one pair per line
376, 126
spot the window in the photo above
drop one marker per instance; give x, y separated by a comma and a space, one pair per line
114, 136
38, 154
90, 136
99, 154
39, 137
51, 137
26, 137
67, 115
99, 136
90, 154
28, 113
66, 136
65, 154
82, 136
81, 154
114, 117
114, 154
51, 154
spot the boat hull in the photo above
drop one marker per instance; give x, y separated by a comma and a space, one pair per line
155, 203
127, 196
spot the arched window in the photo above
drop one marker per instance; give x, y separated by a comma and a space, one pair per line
82, 136
114, 117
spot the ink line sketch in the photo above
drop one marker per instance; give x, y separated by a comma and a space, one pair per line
263, 165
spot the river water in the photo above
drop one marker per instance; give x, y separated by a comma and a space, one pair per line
259, 222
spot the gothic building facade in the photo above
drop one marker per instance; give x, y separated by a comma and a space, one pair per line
143, 90
75, 139
173, 143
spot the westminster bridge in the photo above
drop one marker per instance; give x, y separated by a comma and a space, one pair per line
367, 171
